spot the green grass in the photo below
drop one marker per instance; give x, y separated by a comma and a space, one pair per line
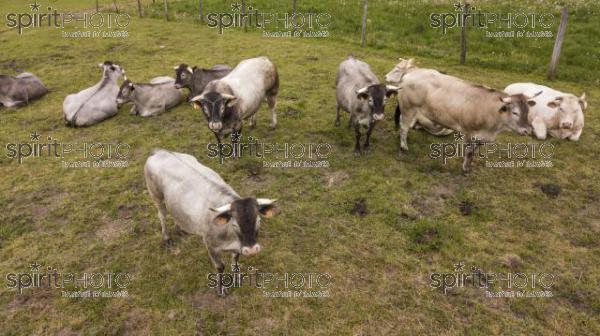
96, 220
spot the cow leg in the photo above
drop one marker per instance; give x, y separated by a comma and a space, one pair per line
357, 145
252, 121
134, 110
337, 115
272, 101
397, 117
539, 128
575, 136
215, 257
472, 145
368, 141
406, 123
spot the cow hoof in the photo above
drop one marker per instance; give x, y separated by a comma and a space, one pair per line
337, 123
357, 153
272, 126
167, 243
223, 292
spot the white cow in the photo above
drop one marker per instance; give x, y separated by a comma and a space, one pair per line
94, 104
202, 203
557, 113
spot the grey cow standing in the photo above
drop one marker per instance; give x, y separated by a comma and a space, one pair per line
20, 90
149, 99
97, 103
202, 203
360, 93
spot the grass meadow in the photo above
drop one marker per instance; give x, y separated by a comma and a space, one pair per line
379, 224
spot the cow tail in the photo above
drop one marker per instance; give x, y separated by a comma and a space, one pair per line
397, 116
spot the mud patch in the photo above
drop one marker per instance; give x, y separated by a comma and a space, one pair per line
550, 189
336, 178
466, 208
112, 229
359, 208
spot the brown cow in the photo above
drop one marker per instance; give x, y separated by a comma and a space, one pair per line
479, 112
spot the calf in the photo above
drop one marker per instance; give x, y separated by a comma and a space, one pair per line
237, 96
150, 99
359, 93
557, 113
20, 90
202, 203
195, 79
479, 112
94, 104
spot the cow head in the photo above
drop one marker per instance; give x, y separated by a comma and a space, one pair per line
126, 92
214, 105
243, 217
183, 76
395, 76
568, 108
376, 95
111, 70
515, 111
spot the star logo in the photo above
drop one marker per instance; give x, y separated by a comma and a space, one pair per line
458, 7
459, 266
235, 7
34, 136
458, 136
235, 136
35, 6
35, 266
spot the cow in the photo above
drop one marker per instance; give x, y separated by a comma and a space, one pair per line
556, 113
203, 204
359, 93
478, 112
18, 91
195, 79
394, 77
94, 104
226, 102
149, 99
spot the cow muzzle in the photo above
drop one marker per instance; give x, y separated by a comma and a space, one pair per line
523, 131
177, 86
215, 125
566, 124
250, 251
378, 116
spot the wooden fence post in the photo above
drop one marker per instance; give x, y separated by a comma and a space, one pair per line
201, 11
140, 8
364, 25
116, 7
463, 35
166, 10
558, 43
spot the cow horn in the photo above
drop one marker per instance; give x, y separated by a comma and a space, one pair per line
198, 97
506, 100
125, 77
176, 67
401, 59
265, 201
535, 95
227, 96
190, 70
363, 90
391, 87
222, 209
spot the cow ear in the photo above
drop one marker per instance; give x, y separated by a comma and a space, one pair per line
267, 210
583, 102
266, 207
231, 102
362, 93
222, 218
391, 90
553, 104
